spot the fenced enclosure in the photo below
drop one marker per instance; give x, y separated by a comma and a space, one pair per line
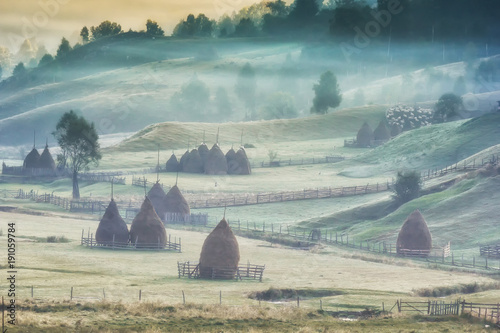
191, 270
170, 245
490, 251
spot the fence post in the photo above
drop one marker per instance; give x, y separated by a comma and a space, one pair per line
140, 294
183, 298
220, 297
71, 294
31, 291
298, 301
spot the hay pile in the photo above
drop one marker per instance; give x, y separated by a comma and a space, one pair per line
216, 163
414, 234
172, 164
220, 250
242, 159
203, 151
183, 160
31, 160
147, 230
193, 163
232, 164
157, 197
381, 133
365, 136
175, 202
112, 224
46, 161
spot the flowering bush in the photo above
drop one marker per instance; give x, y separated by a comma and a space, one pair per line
408, 117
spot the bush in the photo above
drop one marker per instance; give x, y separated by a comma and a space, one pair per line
407, 186
57, 239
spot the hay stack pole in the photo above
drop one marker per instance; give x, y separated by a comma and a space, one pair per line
220, 253
414, 235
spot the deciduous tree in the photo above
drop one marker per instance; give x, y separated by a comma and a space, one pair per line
327, 94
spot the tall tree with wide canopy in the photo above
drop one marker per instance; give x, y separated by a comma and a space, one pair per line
327, 93
79, 143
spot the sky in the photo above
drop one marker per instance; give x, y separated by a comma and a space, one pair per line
50, 20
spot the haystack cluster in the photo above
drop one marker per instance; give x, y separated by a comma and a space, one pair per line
45, 163
367, 137
211, 162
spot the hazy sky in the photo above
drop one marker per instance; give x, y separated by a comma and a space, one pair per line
49, 20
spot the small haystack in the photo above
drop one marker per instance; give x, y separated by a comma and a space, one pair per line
175, 202
216, 163
112, 226
172, 164
365, 136
194, 163
147, 230
203, 151
241, 157
46, 161
220, 253
414, 235
232, 164
31, 160
381, 133
157, 197
183, 160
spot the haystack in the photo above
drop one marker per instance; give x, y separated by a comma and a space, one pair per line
175, 202
172, 164
147, 230
241, 157
194, 163
220, 253
232, 164
414, 234
395, 130
112, 225
46, 161
365, 136
157, 197
203, 151
31, 160
216, 163
183, 160
381, 133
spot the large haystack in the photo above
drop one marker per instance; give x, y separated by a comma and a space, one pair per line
381, 133
220, 253
112, 225
31, 160
414, 235
46, 161
203, 151
232, 164
147, 230
194, 163
216, 163
157, 197
175, 202
365, 136
241, 157
183, 160
172, 164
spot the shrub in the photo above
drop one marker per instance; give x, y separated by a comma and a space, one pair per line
407, 186
57, 239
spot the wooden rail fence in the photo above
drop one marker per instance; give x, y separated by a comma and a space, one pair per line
191, 270
170, 245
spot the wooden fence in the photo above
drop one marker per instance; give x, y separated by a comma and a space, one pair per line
170, 245
303, 161
191, 270
102, 177
490, 251
489, 312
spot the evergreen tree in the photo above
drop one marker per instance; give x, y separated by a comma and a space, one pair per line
153, 29
327, 94
63, 50
47, 58
19, 70
84, 33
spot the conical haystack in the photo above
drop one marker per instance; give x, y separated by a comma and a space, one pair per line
172, 164
157, 197
193, 163
395, 130
31, 160
112, 225
365, 136
414, 235
175, 202
381, 133
203, 151
183, 160
232, 164
220, 253
216, 163
242, 159
147, 230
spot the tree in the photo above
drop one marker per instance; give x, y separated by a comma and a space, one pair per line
84, 33
19, 70
407, 186
447, 108
64, 49
246, 87
279, 105
303, 11
327, 94
104, 29
246, 28
47, 58
222, 103
153, 29
278, 8
199, 26
79, 143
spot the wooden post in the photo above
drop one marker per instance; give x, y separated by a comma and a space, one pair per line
140, 294
71, 294
486, 262
31, 291
103, 294
321, 305
298, 301
220, 297
183, 298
